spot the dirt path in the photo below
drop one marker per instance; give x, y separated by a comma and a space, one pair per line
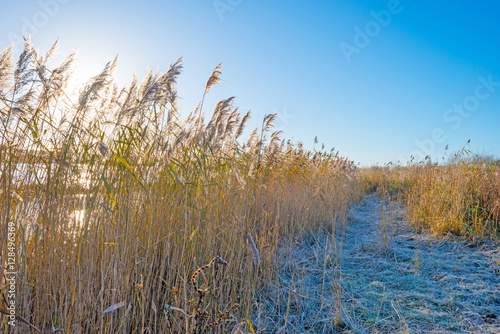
378, 275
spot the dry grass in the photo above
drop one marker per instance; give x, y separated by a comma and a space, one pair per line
118, 200
460, 197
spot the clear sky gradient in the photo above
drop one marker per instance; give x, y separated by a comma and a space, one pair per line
377, 80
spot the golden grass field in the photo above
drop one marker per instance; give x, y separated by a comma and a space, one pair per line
129, 218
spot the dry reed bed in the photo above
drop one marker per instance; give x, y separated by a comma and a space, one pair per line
121, 199
461, 197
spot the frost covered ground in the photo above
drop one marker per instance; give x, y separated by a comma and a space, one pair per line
379, 275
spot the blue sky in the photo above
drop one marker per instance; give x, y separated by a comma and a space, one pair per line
425, 78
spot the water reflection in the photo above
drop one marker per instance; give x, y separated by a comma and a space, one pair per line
30, 201
76, 218
26, 174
